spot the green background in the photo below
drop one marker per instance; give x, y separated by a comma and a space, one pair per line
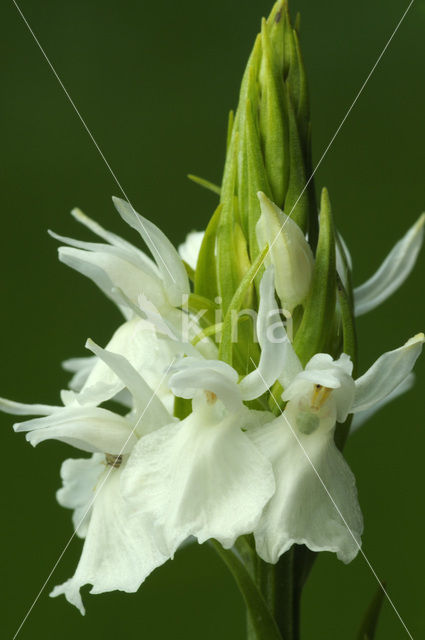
155, 80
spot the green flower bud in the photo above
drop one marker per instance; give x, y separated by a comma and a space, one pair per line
269, 138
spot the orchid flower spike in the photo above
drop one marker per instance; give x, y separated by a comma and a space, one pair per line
204, 477
316, 502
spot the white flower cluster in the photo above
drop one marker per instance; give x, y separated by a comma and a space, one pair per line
154, 481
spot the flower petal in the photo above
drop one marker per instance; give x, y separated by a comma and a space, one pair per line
193, 374
136, 340
301, 511
79, 480
385, 375
150, 411
132, 252
393, 271
364, 416
119, 551
274, 343
189, 249
176, 282
110, 271
21, 409
202, 477
81, 368
86, 428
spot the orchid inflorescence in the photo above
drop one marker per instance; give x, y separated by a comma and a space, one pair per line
233, 372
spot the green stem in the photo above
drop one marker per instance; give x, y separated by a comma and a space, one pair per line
272, 593
262, 622
277, 585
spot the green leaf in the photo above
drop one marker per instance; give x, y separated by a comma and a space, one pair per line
297, 200
370, 621
206, 270
214, 330
230, 124
226, 345
228, 269
235, 177
317, 322
273, 124
190, 272
349, 346
205, 183
261, 619
349, 338
257, 178
277, 24
204, 307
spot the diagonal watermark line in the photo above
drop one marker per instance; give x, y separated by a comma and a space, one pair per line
341, 124
83, 122
91, 502
385, 592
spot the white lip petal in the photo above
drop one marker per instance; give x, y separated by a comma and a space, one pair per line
201, 477
88, 428
386, 374
79, 480
119, 551
301, 511
176, 282
392, 272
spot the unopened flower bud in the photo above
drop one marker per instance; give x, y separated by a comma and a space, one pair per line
289, 252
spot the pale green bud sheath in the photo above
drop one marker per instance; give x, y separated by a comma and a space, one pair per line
269, 141
289, 253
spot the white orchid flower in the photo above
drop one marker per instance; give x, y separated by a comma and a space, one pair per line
316, 502
289, 252
392, 273
119, 550
137, 285
137, 341
204, 477
120, 266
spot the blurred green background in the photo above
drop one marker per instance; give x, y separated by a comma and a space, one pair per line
155, 81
